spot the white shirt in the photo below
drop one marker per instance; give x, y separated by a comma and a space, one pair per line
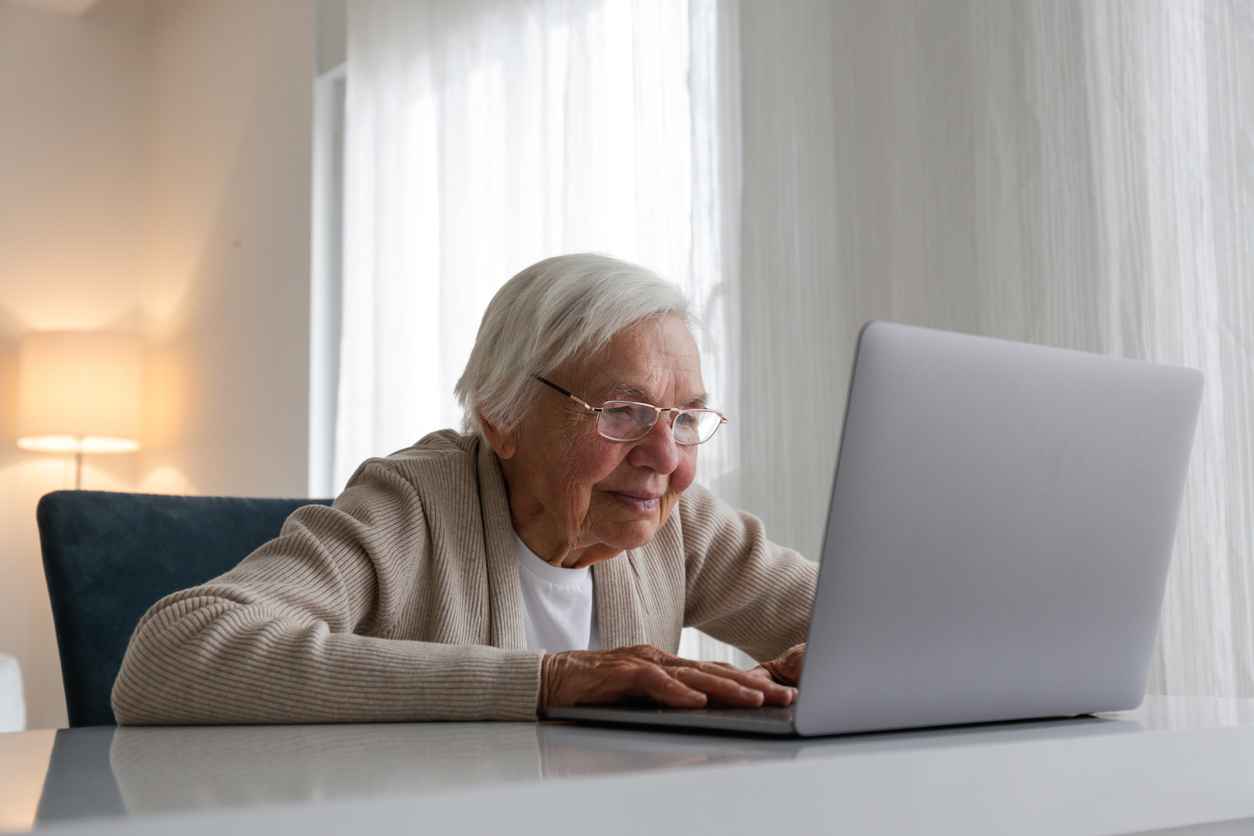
559, 609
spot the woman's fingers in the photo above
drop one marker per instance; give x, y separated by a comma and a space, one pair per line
662, 685
591, 677
721, 682
724, 690
773, 692
785, 668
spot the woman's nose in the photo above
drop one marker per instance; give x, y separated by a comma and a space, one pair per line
657, 450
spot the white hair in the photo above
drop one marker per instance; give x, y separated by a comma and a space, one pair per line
553, 311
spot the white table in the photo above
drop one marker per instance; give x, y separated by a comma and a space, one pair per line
1175, 763
12, 703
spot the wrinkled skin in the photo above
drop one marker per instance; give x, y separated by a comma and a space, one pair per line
577, 498
579, 677
786, 667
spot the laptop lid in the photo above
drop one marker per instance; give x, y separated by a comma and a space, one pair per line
1000, 529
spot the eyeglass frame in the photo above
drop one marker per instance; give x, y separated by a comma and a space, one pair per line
657, 413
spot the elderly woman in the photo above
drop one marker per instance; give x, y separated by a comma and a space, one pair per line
548, 555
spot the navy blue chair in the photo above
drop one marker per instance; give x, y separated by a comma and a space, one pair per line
108, 557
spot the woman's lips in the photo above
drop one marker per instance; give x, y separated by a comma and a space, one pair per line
642, 501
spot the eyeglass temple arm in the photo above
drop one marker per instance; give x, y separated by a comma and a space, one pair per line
577, 400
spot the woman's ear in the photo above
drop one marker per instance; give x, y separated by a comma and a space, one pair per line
503, 442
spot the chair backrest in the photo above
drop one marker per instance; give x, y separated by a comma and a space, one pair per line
108, 557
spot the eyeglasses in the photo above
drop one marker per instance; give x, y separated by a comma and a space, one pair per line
631, 421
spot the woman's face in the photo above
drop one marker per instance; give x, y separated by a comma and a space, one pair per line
577, 498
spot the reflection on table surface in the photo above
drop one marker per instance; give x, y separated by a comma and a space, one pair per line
108, 772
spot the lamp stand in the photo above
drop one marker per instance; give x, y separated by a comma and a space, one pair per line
78, 470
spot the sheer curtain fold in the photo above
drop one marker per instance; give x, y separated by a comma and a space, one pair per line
484, 135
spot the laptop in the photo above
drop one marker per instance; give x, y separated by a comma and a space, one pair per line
1000, 529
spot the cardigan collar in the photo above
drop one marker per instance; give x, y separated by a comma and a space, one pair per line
504, 592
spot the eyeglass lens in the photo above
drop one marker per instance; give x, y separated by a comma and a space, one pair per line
627, 421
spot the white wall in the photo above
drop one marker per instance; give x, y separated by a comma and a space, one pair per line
225, 256
156, 162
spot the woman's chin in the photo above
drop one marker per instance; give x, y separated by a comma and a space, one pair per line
624, 537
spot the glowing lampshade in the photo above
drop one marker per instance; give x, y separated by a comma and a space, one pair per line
79, 392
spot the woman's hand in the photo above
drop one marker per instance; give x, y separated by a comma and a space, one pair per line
784, 668
580, 677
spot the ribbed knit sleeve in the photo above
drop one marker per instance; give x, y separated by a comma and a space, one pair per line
741, 588
375, 609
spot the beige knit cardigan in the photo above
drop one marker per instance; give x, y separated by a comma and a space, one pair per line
402, 602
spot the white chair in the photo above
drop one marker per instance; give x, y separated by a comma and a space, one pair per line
12, 704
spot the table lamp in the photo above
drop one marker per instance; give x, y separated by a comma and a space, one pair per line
79, 392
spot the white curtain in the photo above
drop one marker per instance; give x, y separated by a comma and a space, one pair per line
1070, 172
484, 135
